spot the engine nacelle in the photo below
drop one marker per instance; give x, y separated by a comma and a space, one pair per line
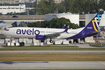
40, 37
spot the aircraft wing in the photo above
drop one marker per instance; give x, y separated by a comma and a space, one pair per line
50, 36
54, 35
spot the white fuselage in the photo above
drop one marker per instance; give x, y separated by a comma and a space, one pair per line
28, 32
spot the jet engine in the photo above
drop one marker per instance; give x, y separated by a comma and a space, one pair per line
40, 37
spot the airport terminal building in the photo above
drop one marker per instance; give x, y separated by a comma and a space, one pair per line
14, 9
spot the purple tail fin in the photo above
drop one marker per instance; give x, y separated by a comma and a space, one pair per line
64, 26
93, 25
66, 30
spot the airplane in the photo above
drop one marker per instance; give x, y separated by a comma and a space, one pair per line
91, 29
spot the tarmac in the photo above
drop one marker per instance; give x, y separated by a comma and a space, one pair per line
58, 51
53, 65
71, 44
1, 45
83, 45
55, 52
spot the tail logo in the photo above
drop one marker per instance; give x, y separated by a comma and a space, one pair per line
96, 20
93, 22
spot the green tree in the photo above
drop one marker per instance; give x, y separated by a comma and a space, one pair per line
79, 6
57, 23
54, 23
45, 7
32, 12
82, 23
61, 7
73, 6
22, 24
101, 4
68, 4
34, 24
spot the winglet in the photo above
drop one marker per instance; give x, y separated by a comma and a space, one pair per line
66, 30
64, 26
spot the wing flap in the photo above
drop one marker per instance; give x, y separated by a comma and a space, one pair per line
51, 36
54, 35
